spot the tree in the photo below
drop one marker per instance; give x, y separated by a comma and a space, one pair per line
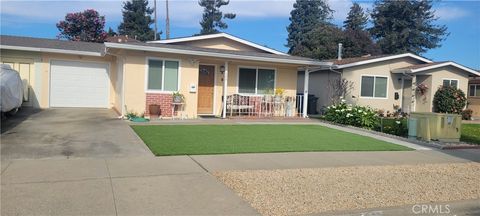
406, 26
338, 89
212, 16
111, 32
321, 42
137, 20
83, 26
357, 41
357, 18
306, 16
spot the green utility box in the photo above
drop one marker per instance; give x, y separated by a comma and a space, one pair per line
435, 126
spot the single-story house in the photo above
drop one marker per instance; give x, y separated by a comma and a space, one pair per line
386, 82
129, 76
474, 96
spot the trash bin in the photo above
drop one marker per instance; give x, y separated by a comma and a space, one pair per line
312, 104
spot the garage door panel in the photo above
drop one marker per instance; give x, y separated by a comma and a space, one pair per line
79, 84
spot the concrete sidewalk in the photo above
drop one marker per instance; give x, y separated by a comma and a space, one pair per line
175, 185
127, 186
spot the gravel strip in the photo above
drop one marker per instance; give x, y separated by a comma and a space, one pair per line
308, 191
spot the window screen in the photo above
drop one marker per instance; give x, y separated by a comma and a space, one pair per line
380, 87
367, 86
155, 74
266, 81
246, 80
171, 76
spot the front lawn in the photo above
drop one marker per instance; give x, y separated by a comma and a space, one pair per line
471, 133
227, 139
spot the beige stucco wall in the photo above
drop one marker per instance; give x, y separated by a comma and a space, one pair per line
135, 79
423, 103
381, 69
435, 80
220, 43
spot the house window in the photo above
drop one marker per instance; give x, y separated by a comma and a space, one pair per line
255, 80
162, 75
474, 90
374, 86
450, 82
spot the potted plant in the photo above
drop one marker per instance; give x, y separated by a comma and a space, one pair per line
178, 97
279, 94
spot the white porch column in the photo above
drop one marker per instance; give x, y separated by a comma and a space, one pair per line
225, 86
305, 92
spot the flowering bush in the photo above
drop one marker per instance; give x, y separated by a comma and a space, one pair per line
348, 114
449, 99
422, 89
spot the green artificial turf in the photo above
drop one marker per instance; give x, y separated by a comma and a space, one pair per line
227, 139
471, 133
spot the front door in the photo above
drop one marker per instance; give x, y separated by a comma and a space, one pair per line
206, 82
407, 95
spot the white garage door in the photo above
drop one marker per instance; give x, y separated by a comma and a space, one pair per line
78, 84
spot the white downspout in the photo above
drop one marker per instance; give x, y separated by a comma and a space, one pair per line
225, 86
305, 92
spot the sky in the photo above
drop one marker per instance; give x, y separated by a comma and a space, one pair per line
260, 21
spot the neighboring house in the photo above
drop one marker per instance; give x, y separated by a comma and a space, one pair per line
128, 76
474, 96
387, 82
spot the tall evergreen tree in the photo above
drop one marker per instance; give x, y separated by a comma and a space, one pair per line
357, 41
306, 16
137, 20
212, 18
406, 26
357, 18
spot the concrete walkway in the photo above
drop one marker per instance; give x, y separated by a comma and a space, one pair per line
176, 185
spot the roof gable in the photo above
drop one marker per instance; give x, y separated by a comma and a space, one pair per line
352, 62
215, 41
434, 65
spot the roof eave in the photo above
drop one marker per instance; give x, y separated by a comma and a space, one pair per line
50, 50
213, 54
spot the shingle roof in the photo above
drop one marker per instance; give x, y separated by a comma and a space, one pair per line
418, 66
20, 41
211, 50
356, 59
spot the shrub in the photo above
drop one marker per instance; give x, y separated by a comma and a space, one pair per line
449, 99
348, 114
467, 114
395, 126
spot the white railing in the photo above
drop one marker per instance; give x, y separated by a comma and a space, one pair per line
264, 106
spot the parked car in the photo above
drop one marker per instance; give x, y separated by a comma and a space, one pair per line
11, 96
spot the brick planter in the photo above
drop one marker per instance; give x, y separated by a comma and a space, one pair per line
162, 99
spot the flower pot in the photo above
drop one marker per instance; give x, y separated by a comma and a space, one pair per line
154, 110
177, 99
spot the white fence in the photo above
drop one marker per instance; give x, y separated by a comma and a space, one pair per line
264, 106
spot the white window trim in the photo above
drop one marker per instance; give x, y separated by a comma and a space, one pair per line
477, 86
374, 81
147, 90
256, 78
450, 82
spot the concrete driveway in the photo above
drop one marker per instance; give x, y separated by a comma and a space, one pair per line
68, 132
